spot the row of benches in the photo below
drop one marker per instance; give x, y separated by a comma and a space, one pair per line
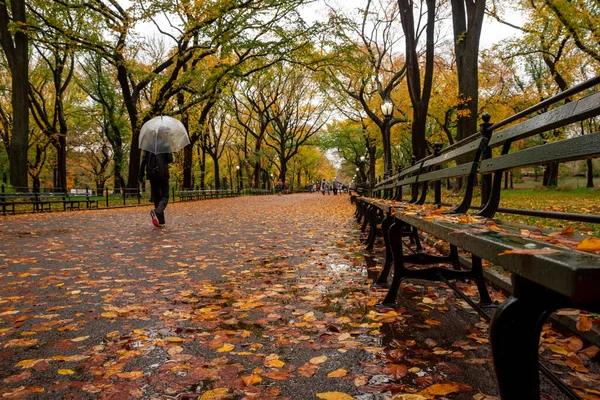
45, 201
199, 194
550, 270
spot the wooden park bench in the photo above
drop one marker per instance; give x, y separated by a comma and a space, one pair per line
550, 270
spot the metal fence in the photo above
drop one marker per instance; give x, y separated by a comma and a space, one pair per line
24, 200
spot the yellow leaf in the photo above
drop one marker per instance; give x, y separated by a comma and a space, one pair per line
338, 373
215, 394
226, 348
589, 244
66, 372
318, 360
557, 349
79, 339
174, 340
334, 396
274, 363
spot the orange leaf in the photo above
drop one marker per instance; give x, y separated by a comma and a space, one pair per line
277, 375
584, 323
307, 370
251, 379
446, 388
215, 394
531, 252
318, 360
589, 244
338, 373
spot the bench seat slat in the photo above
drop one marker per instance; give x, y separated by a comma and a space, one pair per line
569, 272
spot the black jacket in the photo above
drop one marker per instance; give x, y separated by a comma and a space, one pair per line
167, 156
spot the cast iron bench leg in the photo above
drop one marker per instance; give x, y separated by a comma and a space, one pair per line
387, 263
395, 241
372, 217
365, 221
515, 336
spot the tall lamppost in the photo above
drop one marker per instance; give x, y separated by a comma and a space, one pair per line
387, 108
238, 173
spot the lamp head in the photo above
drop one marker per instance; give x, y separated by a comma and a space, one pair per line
387, 107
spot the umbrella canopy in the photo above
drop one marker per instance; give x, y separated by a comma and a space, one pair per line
163, 134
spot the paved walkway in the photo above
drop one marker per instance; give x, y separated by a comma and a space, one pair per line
253, 297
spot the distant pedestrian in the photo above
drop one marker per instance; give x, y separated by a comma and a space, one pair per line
324, 187
156, 167
335, 188
279, 187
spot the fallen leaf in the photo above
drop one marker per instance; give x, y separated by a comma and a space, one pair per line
446, 388
251, 379
215, 394
531, 252
584, 323
338, 373
396, 371
557, 349
589, 244
318, 360
225, 348
66, 372
334, 396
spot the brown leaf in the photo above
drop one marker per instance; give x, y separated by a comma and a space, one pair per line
396, 371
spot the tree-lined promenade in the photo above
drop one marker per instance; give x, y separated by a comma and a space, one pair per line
265, 297
262, 86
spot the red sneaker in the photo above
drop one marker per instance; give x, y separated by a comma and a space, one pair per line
154, 219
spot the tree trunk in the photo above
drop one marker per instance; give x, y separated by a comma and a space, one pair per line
217, 177
18, 59
590, 173
188, 159
551, 175
61, 160
467, 21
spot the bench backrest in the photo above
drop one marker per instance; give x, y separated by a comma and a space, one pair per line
574, 147
473, 156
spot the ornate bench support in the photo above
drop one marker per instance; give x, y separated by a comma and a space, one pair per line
515, 335
430, 274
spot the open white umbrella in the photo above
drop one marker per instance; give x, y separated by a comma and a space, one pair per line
163, 134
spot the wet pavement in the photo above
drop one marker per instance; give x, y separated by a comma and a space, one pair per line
254, 297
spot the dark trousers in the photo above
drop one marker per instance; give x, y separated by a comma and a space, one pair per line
159, 188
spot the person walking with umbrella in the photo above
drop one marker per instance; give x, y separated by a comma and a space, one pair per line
159, 138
